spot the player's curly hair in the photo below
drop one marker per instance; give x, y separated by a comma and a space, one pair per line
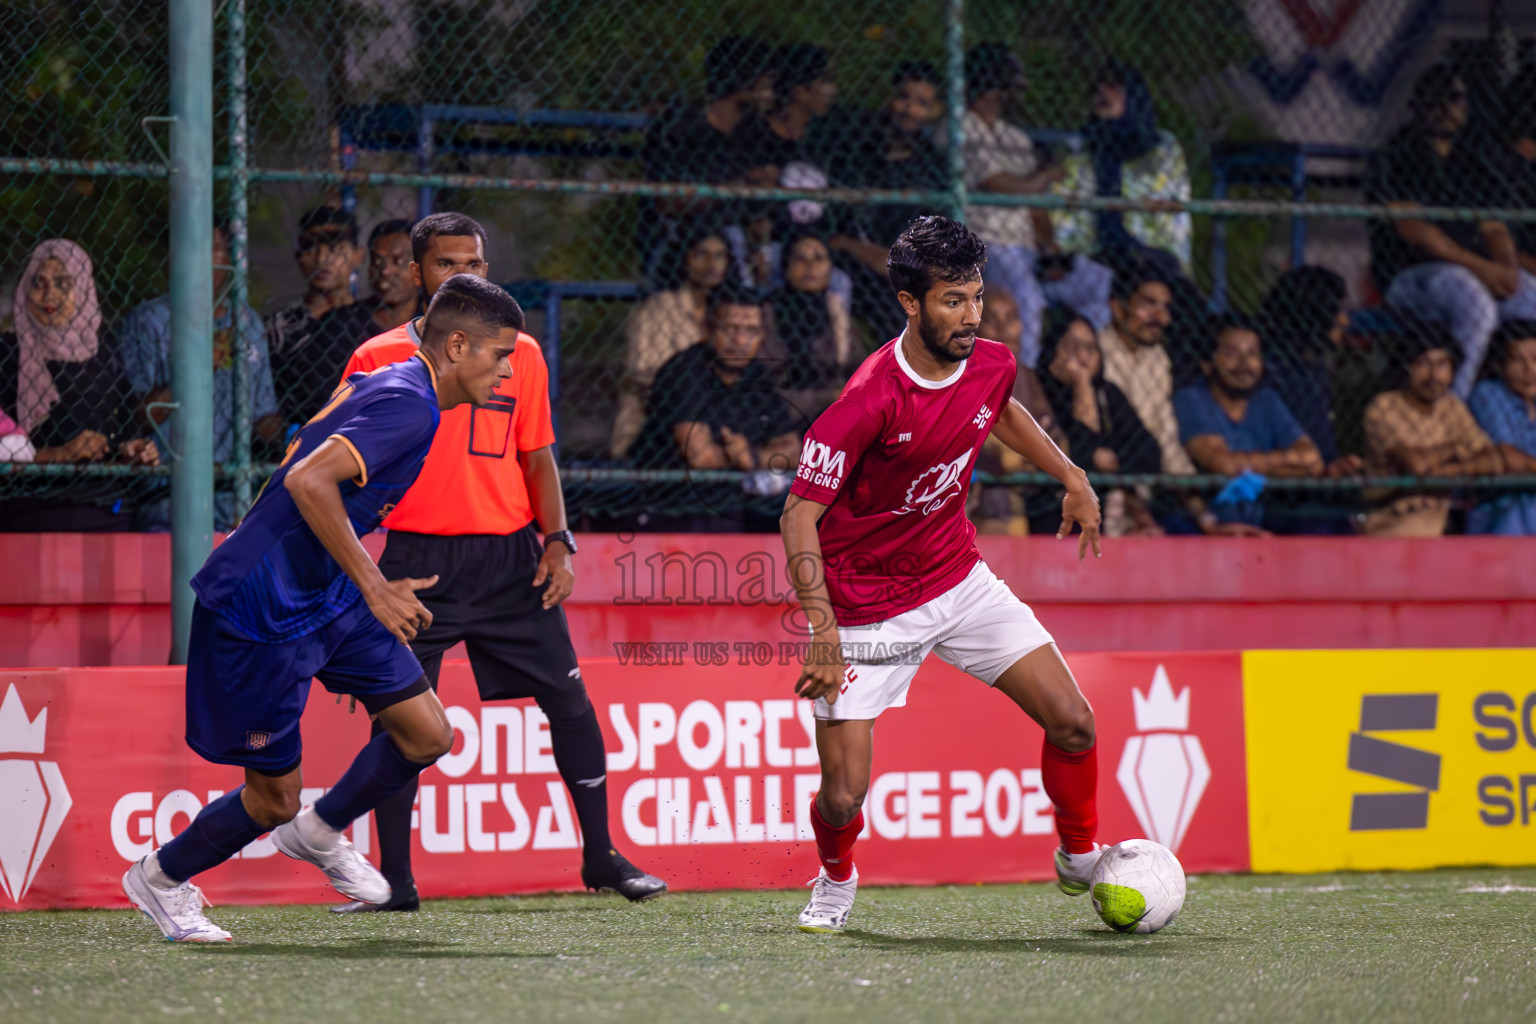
934, 249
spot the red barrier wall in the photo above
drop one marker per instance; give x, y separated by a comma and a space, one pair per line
710, 774
71, 599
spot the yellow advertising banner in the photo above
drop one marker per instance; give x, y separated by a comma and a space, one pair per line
1374, 760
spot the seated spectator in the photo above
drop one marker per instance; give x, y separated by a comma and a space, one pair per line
757, 243
396, 298
1127, 155
144, 346
1103, 432
812, 325
1463, 274
1022, 255
804, 88
1505, 407
858, 272
665, 324
1302, 326
694, 142
1002, 509
714, 406
1136, 359
1521, 140
1000, 321
793, 148
892, 150
60, 375
1232, 425
326, 255
1421, 428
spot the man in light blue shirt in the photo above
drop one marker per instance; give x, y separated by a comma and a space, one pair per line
1230, 425
144, 347
1506, 409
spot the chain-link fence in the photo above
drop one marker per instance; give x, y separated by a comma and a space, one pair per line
1188, 210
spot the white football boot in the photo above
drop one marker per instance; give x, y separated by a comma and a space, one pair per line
830, 903
177, 911
1073, 870
311, 840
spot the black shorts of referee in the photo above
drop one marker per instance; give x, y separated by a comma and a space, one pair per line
485, 597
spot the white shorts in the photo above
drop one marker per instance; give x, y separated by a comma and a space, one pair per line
978, 626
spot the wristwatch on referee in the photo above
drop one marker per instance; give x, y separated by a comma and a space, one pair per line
565, 537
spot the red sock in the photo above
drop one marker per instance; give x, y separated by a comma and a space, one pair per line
835, 845
1071, 781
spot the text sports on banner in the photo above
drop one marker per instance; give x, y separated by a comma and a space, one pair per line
712, 773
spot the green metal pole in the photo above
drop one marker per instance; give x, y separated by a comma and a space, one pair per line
238, 253
954, 51
191, 180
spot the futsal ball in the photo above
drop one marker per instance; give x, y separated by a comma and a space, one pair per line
1137, 886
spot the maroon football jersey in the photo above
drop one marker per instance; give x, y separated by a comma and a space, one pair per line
893, 457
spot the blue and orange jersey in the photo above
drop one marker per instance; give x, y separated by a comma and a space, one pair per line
473, 481
272, 578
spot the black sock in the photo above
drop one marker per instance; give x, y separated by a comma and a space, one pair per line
577, 744
392, 816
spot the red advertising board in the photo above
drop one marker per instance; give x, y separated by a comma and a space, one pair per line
711, 767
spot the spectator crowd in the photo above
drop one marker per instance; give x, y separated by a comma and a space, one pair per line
756, 313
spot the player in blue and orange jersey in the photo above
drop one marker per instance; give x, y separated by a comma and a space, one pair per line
291, 595
489, 488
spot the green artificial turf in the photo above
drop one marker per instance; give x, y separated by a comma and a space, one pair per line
1346, 947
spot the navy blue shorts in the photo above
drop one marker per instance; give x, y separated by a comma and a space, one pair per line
245, 698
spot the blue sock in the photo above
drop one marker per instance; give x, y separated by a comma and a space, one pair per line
219, 831
378, 770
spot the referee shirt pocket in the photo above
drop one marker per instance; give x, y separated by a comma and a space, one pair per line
490, 427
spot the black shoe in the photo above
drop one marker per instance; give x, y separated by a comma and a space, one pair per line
403, 899
618, 874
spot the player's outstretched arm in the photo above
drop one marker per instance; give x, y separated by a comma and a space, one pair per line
315, 484
1017, 429
823, 670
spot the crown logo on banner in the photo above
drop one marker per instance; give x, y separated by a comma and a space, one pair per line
1163, 769
18, 734
1159, 709
33, 797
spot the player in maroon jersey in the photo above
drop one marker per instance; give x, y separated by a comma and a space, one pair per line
886, 566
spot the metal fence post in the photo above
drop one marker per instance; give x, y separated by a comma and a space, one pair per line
552, 354
239, 248
191, 198
954, 51
425, 130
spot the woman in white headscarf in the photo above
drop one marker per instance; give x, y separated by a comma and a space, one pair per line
64, 389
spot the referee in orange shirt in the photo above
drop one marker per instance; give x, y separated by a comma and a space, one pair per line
470, 520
